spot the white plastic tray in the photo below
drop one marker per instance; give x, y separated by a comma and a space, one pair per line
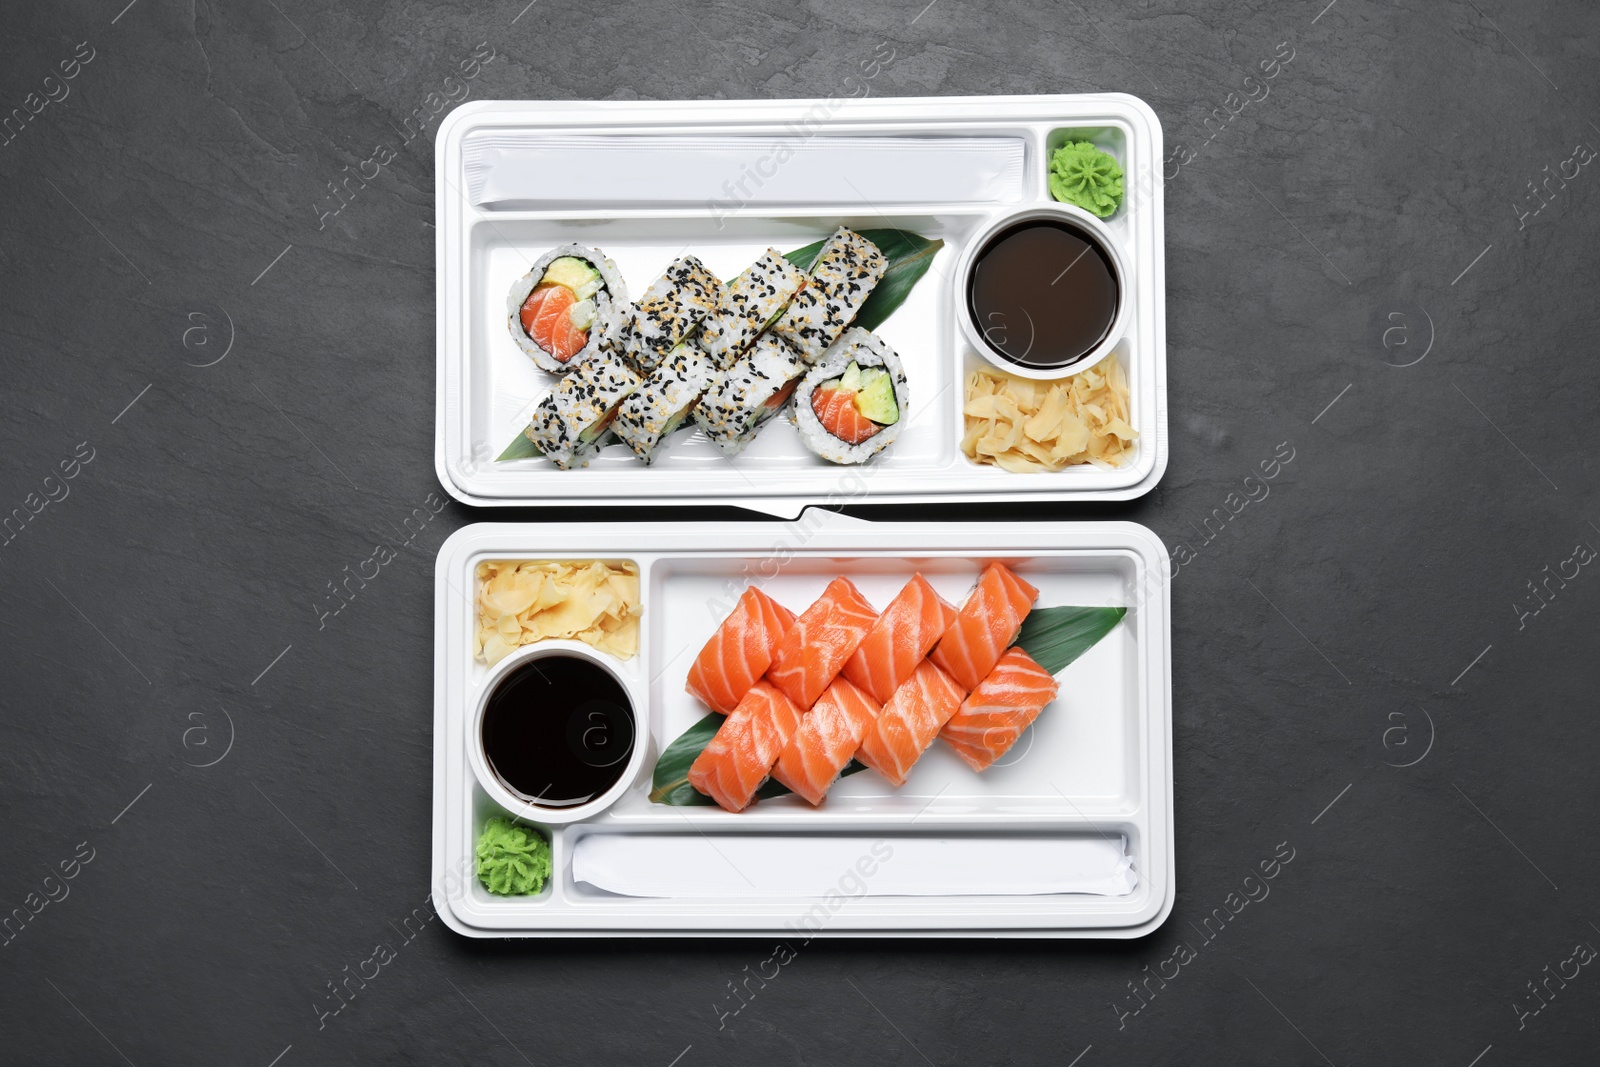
487, 388
1099, 761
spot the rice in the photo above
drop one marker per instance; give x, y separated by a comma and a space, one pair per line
750, 302
669, 311
848, 268
664, 401
747, 394
570, 425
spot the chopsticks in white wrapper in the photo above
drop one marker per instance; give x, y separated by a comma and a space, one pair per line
730, 173
812, 865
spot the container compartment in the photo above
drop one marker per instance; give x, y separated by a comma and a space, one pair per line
1097, 762
488, 388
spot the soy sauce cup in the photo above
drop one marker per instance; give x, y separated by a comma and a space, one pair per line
556, 734
1043, 291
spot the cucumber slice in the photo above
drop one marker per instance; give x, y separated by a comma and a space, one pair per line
852, 377
582, 314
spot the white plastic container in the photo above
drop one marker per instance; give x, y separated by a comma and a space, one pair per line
1097, 764
772, 173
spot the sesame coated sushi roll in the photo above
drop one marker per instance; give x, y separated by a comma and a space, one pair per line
850, 406
569, 424
669, 311
664, 401
559, 311
848, 268
750, 302
747, 394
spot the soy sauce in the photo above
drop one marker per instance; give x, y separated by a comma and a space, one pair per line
558, 731
1043, 293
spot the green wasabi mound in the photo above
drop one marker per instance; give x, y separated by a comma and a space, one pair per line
512, 860
1082, 175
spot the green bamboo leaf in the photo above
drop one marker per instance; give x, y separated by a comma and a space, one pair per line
670, 783
909, 257
521, 448
1054, 637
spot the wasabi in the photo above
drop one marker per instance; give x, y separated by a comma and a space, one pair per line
513, 860
1083, 175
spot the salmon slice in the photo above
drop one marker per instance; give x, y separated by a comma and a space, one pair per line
901, 638
828, 736
738, 759
813, 651
547, 319
986, 626
740, 652
836, 410
909, 722
1002, 706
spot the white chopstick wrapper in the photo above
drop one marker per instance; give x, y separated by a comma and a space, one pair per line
813, 865
729, 175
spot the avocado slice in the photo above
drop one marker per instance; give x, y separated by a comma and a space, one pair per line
875, 399
573, 273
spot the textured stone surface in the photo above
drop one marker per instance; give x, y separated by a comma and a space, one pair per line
192, 152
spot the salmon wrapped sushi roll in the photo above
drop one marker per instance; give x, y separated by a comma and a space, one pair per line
740, 756
985, 627
909, 722
740, 652
1005, 703
828, 736
900, 639
810, 656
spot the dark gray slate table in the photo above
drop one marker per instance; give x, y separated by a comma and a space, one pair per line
1371, 263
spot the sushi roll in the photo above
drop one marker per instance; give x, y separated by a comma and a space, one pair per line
811, 653
669, 311
848, 268
739, 757
828, 736
986, 625
1005, 703
740, 652
748, 393
849, 407
901, 638
750, 302
665, 400
570, 423
560, 310
910, 721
